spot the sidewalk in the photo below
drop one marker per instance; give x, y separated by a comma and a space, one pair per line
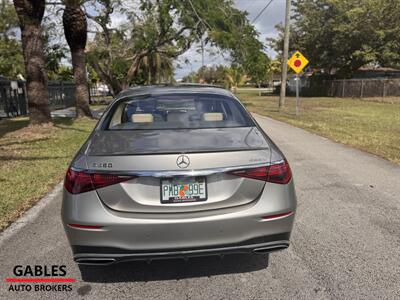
70, 112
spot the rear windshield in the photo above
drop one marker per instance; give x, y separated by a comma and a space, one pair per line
178, 111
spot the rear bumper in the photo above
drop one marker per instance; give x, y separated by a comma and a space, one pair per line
131, 236
89, 255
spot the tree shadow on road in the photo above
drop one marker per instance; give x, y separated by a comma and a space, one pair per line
174, 269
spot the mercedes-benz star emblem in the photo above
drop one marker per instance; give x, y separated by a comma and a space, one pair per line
183, 161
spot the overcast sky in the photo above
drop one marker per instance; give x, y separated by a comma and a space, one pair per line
265, 25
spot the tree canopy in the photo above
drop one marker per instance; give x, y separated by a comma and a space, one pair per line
157, 32
144, 45
11, 59
341, 36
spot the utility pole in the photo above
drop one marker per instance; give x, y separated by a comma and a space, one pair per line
285, 55
202, 53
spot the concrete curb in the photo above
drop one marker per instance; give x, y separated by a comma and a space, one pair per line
30, 215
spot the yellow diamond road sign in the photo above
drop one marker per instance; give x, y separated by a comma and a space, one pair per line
298, 62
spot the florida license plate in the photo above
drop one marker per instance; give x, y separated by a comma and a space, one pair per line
183, 189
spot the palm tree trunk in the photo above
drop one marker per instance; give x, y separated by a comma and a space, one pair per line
80, 77
75, 30
153, 75
153, 68
30, 14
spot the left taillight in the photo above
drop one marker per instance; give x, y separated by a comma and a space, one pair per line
276, 173
77, 182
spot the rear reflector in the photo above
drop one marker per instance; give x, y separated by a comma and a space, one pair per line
277, 173
283, 215
79, 182
80, 226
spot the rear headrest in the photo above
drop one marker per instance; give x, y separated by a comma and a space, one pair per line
212, 117
142, 118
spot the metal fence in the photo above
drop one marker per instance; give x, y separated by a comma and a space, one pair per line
95, 91
99, 93
363, 88
61, 94
13, 100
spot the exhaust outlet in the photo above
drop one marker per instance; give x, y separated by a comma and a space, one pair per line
269, 249
100, 261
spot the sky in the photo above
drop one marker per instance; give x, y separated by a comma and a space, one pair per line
265, 25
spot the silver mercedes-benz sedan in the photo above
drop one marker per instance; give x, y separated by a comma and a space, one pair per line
177, 171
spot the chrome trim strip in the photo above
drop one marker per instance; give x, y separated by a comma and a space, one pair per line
266, 247
184, 173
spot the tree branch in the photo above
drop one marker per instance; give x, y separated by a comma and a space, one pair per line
135, 65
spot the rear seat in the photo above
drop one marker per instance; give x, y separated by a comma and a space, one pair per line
142, 118
213, 117
177, 117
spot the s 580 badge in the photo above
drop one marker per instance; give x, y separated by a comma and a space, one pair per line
102, 165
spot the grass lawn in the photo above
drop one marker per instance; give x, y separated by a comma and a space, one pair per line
373, 126
33, 160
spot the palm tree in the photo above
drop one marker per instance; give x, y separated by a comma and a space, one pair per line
275, 67
158, 66
166, 71
235, 77
75, 30
30, 15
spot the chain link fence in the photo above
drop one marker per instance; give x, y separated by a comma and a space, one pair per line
363, 88
13, 99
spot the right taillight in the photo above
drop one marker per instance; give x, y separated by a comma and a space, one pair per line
280, 173
276, 173
77, 182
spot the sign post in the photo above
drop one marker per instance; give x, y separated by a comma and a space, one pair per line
297, 94
298, 62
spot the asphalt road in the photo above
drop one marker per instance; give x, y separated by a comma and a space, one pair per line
345, 244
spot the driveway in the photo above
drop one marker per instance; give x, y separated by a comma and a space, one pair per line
345, 244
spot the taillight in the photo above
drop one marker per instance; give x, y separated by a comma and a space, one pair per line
278, 173
79, 182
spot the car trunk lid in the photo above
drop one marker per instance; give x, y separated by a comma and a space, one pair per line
211, 154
